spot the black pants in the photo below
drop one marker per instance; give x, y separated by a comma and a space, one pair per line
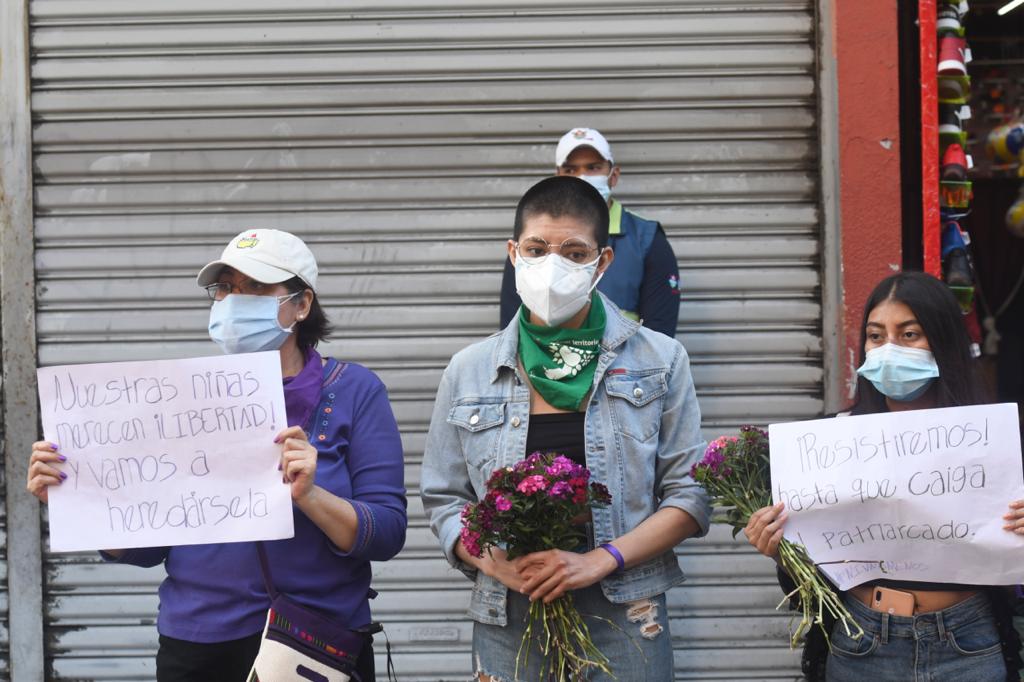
178, 660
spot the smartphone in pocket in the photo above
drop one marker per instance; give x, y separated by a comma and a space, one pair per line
893, 602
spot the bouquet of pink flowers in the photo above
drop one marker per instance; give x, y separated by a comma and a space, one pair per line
736, 472
533, 506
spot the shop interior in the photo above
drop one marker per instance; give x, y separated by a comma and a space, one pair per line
981, 149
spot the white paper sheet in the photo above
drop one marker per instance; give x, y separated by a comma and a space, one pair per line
916, 495
168, 452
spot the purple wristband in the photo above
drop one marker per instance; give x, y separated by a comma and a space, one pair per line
610, 548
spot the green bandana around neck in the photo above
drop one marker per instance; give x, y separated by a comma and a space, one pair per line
560, 362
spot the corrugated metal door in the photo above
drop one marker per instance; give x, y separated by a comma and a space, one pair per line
396, 137
5, 640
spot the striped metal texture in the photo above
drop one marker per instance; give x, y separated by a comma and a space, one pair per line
5, 637
395, 136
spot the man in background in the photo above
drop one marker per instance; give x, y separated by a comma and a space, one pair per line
643, 280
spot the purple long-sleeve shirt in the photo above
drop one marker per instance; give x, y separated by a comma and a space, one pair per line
215, 593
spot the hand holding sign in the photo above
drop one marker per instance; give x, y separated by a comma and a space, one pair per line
162, 453
919, 495
298, 461
44, 469
1015, 517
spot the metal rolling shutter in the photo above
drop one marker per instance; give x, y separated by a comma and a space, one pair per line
396, 136
5, 639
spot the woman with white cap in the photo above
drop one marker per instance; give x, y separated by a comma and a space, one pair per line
341, 456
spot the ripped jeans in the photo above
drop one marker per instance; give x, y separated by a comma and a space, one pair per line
636, 641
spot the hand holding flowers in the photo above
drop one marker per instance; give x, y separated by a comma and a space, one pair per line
735, 472
534, 510
764, 529
550, 574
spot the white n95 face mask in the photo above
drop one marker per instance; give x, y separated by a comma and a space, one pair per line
247, 324
899, 372
554, 288
600, 183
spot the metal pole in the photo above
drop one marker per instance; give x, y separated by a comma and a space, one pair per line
836, 381
18, 346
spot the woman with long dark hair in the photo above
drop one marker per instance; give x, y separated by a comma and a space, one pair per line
915, 354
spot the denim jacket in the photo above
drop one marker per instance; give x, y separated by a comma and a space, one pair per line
642, 435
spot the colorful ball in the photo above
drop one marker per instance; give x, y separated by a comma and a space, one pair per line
1015, 218
1006, 142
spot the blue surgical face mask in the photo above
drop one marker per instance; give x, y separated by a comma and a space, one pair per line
899, 372
600, 183
247, 324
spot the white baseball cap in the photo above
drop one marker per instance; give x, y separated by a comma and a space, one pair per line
582, 137
268, 256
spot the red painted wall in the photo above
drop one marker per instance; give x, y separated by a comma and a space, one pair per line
867, 74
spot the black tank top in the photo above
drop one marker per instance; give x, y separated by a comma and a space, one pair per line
560, 432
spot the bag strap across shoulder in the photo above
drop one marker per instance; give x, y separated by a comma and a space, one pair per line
332, 370
268, 579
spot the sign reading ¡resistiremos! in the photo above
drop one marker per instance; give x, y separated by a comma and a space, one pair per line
166, 452
915, 495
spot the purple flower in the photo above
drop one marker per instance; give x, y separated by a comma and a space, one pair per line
532, 484
559, 466
580, 472
502, 503
560, 489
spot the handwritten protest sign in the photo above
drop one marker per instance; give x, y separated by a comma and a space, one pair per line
166, 453
916, 495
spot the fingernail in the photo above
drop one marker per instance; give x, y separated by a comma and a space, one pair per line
63, 476
54, 446
278, 466
62, 458
277, 439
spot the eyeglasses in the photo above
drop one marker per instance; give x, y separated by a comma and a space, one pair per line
534, 249
218, 291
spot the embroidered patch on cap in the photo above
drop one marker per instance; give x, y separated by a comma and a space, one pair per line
248, 242
579, 133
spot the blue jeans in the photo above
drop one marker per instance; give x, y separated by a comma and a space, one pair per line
958, 644
634, 637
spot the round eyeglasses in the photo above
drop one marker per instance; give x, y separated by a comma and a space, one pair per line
535, 249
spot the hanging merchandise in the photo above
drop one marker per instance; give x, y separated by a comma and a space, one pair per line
1005, 146
955, 189
1015, 216
954, 186
1006, 142
956, 267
